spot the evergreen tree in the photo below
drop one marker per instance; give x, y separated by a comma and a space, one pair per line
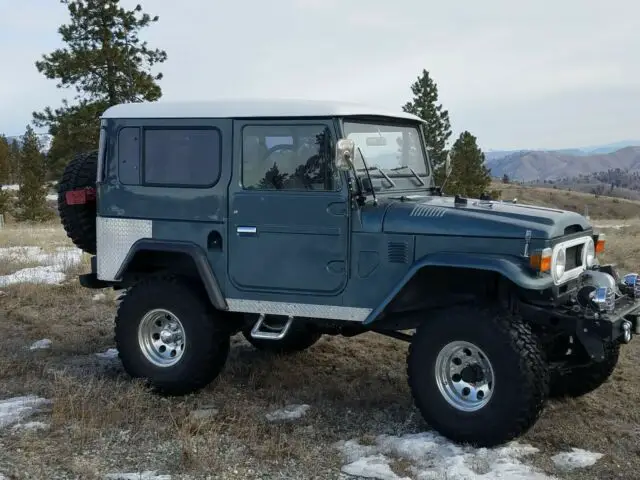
469, 175
32, 196
15, 153
438, 129
5, 162
106, 62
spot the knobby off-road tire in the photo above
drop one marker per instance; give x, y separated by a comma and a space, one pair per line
205, 338
298, 338
79, 221
520, 378
583, 379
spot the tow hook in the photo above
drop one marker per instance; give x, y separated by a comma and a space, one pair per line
626, 331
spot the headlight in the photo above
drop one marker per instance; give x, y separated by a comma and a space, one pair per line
560, 264
590, 252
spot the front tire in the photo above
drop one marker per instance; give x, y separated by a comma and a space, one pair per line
168, 334
477, 375
579, 380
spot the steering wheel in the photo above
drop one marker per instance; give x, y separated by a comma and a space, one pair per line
275, 148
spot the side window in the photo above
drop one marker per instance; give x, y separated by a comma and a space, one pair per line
288, 157
129, 155
181, 157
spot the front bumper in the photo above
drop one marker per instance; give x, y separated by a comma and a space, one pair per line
591, 324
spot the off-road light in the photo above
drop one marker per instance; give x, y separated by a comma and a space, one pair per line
540, 260
632, 280
604, 299
626, 331
590, 252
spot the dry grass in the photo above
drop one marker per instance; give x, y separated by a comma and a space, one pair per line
597, 206
101, 421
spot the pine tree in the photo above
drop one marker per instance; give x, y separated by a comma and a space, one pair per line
5, 162
106, 62
15, 153
469, 175
32, 196
438, 129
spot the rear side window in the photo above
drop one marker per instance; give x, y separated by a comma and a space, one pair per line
181, 157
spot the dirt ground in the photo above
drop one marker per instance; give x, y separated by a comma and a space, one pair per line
99, 421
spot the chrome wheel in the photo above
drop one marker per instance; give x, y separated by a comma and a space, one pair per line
161, 338
464, 376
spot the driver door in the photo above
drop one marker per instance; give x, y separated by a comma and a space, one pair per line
288, 209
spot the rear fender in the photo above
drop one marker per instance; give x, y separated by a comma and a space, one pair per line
513, 269
196, 253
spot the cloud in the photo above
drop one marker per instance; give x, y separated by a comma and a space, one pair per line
495, 62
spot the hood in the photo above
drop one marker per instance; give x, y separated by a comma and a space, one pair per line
440, 216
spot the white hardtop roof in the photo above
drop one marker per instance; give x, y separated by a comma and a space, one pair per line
248, 108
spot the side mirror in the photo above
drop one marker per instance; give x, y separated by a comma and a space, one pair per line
345, 151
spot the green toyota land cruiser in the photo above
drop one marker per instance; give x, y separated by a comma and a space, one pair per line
288, 220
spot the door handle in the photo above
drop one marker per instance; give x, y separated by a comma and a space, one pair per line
246, 230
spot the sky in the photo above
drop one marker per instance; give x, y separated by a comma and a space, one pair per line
515, 74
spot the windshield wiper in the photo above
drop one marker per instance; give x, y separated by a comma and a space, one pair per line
375, 167
412, 172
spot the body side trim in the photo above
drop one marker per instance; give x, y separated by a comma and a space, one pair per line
331, 312
114, 237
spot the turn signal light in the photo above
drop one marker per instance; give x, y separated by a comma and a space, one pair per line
541, 260
599, 241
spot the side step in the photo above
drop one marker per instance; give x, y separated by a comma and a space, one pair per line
265, 332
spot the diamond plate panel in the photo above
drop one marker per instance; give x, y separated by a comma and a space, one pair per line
331, 312
115, 236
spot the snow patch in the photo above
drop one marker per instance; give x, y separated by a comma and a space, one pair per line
52, 265
12, 188
41, 344
13, 410
290, 412
109, 354
576, 458
146, 475
61, 257
374, 466
36, 275
30, 426
432, 456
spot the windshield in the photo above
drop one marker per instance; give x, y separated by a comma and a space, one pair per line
391, 150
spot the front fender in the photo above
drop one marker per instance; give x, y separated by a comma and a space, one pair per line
509, 267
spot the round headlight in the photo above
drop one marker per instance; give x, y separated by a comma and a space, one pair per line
560, 263
590, 252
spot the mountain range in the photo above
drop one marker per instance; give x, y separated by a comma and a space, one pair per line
544, 165
43, 138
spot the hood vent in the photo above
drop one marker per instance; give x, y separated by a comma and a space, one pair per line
428, 211
397, 252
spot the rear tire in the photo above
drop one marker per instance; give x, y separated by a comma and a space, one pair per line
299, 337
180, 348
79, 221
477, 374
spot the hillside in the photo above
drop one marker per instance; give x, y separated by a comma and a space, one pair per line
539, 165
599, 207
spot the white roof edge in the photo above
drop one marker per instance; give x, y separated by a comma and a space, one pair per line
248, 108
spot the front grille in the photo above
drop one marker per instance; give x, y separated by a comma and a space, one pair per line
574, 257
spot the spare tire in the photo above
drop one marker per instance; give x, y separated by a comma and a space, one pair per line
78, 209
